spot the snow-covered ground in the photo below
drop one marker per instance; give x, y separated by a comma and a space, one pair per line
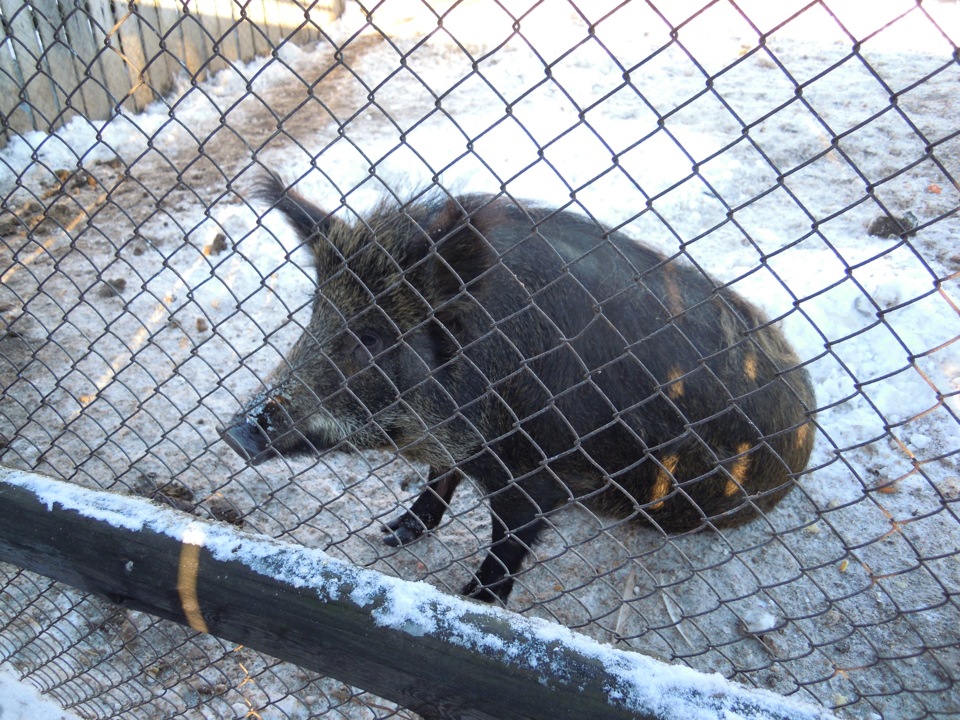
21, 701
148, 301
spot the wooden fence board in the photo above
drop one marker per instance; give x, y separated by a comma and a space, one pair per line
204, 23
57, 61
246, 49
38, 93
62, 57
15, 115
272, 17
135, 53
195, 50
78, 34
116, 77
226, 36
170, 37
157, 67
256, 12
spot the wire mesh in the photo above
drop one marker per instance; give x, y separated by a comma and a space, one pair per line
804, 154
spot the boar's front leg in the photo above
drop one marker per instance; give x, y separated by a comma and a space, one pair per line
517, 518
427, 510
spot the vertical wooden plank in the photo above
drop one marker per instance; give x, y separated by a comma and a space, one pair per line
210, 28
195, 41
79, 38
272, 16
170, 35
116, 77
288, 21
17, 116
58, 61
129, 30
245, 46
235, 28
317, 15
227, 41
262, 45
13, 116
159, 68
39, 96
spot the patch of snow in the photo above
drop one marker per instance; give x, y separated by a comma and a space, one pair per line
21, 701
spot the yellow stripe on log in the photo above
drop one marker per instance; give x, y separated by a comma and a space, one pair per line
187, 572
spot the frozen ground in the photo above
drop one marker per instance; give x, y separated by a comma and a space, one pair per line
20, 701
142, 301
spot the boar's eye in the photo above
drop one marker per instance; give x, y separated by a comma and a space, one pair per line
371, 343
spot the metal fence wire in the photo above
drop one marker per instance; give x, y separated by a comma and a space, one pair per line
802, 155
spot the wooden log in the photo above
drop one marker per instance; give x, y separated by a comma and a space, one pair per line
440, 656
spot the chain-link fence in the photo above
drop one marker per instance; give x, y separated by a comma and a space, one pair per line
803, 155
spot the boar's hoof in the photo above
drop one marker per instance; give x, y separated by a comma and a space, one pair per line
496, 593
402, 530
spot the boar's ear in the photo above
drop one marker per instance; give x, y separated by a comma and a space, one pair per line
307, 219
462, 253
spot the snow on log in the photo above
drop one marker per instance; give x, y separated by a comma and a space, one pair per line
438, 655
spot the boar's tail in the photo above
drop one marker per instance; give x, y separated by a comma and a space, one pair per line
306, 218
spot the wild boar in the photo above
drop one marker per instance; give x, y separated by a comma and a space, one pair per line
546, 358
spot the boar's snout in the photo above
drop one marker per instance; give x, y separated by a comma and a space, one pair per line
246, 438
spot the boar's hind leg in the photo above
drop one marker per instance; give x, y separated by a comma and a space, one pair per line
517, 520
427, 510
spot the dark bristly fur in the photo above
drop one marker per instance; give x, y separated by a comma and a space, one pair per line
546, 359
